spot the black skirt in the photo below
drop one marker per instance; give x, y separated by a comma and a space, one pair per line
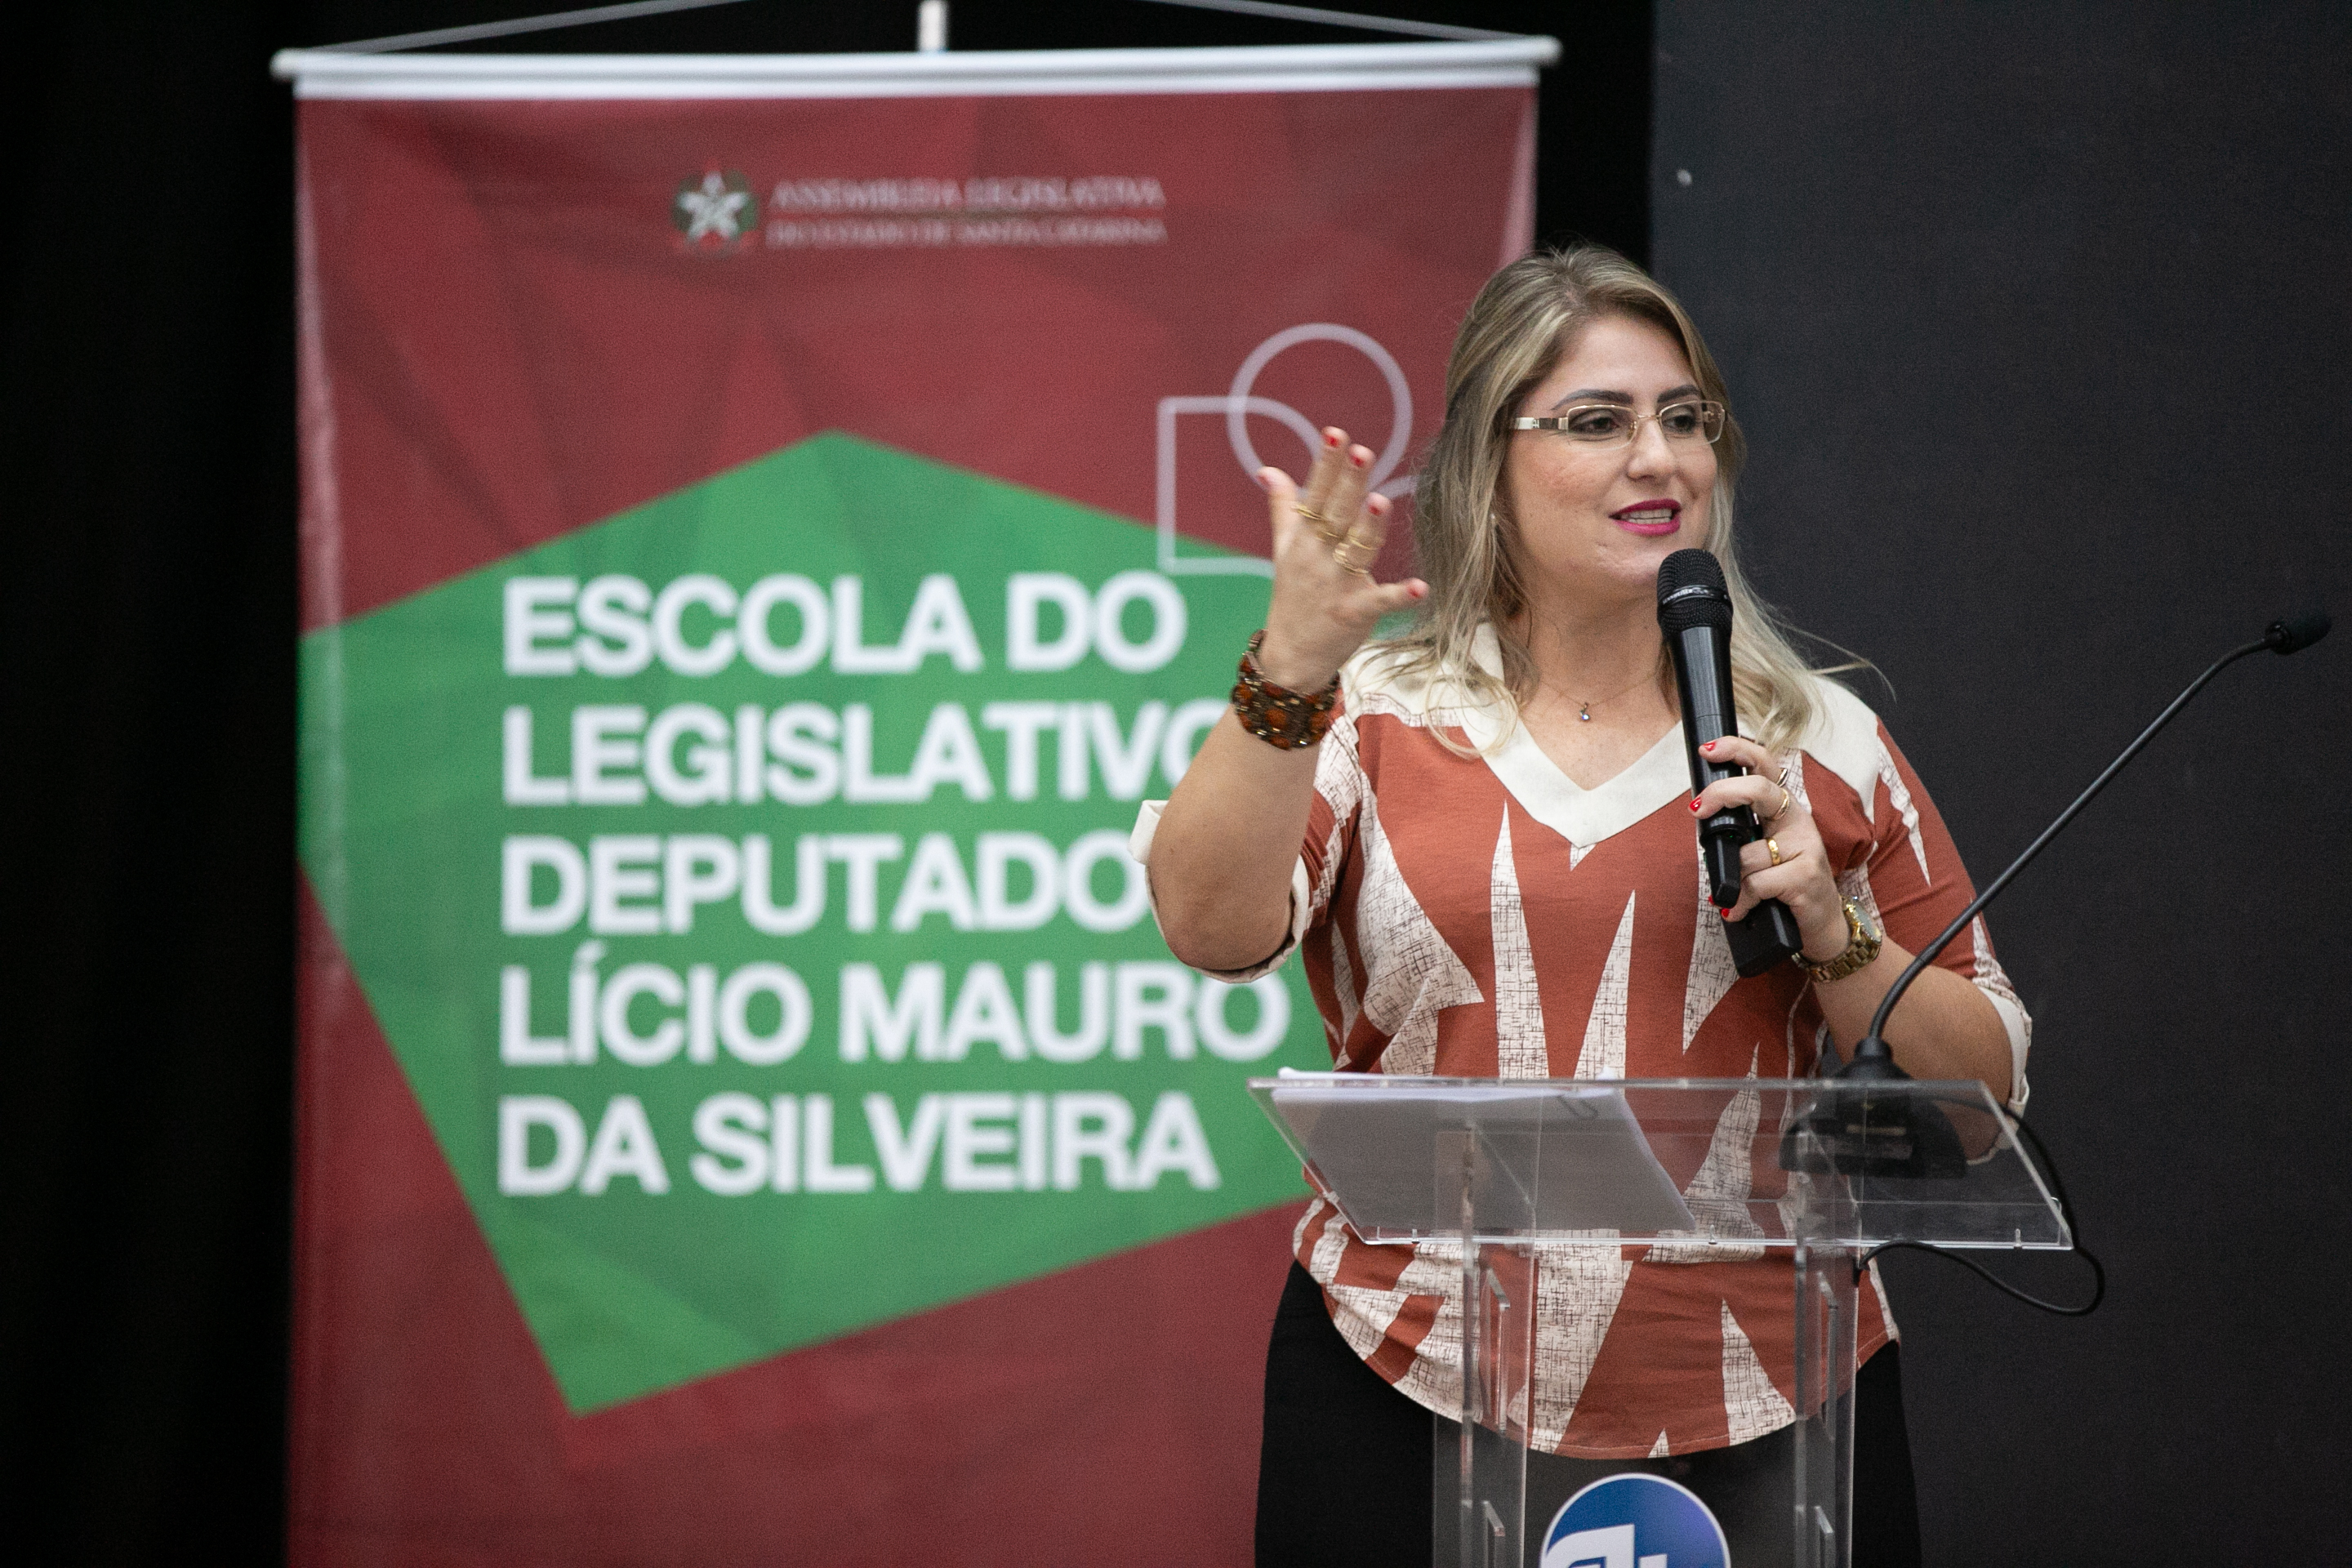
1344, 1472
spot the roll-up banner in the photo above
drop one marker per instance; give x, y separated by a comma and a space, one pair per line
766, 524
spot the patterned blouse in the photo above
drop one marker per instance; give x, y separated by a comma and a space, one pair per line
1485, 917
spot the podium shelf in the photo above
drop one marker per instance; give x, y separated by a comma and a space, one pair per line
1731, 1166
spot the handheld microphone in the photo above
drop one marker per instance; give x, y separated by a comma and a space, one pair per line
1854, 1133
1695, 615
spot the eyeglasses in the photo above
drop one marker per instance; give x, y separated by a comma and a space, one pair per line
1614, 425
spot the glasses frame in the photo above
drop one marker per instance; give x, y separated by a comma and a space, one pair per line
1557, 424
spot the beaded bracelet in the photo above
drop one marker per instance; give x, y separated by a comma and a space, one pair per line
1276, 714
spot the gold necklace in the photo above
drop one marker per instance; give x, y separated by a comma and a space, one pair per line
1584, 709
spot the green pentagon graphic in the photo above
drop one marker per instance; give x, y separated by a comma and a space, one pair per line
740, 884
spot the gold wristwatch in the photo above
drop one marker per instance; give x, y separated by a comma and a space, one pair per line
1862, 945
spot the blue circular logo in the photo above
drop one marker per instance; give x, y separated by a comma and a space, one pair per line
1635, 1520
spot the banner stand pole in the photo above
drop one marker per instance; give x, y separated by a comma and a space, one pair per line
931, 24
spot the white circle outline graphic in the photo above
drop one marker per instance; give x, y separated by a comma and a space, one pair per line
1240, 399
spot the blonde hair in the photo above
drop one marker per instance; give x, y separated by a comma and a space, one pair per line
1521, 323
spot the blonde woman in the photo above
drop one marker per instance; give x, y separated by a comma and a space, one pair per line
1479, 838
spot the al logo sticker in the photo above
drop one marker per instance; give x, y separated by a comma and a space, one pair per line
1635, 1520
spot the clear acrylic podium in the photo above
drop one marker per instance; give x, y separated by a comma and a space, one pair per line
1509, 1169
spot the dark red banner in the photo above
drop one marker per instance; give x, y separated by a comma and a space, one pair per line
576, 355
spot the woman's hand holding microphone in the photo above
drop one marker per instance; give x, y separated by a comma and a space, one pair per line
1789, 862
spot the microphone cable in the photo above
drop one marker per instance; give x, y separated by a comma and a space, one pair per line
2048, 1168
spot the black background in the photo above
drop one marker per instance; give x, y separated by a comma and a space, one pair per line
2037, 318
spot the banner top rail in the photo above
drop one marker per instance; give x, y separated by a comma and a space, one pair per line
1292, 67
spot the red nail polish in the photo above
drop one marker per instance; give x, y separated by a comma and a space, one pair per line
1358, 461
1724, 913
1329, 440
1695, 804
1707, 745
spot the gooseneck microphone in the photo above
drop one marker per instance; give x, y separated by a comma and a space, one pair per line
1695, 616
1860, 1135
1872, 1059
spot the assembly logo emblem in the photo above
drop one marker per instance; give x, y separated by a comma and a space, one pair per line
715, 212
1635, 1520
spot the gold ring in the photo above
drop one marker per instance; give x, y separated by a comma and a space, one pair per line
1781, 810
1324, 526
1340, 552
1773, 848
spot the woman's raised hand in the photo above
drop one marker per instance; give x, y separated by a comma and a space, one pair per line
1326, 537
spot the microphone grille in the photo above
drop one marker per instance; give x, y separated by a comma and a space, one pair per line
1691, 593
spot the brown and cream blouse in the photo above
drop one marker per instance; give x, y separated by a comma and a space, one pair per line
1485, 917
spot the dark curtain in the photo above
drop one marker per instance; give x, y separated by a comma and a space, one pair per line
2036, 318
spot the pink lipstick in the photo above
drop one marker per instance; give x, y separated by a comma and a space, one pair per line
1650, 519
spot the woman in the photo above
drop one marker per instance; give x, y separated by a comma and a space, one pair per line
1488, 861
